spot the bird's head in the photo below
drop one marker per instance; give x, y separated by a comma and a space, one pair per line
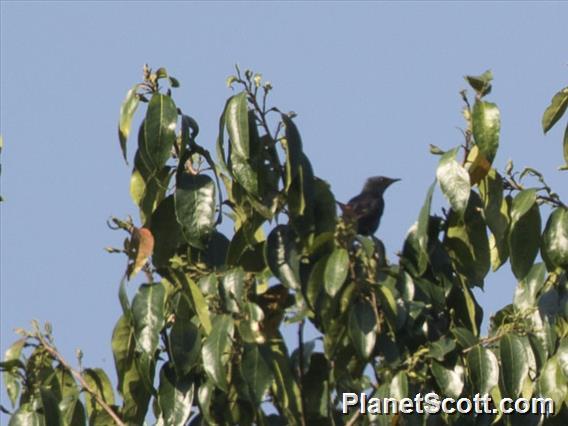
378, 184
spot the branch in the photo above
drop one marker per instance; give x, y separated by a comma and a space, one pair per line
301, 365
56, 355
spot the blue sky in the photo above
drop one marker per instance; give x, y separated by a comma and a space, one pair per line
373, 84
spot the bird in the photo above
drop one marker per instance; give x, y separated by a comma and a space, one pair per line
367, 207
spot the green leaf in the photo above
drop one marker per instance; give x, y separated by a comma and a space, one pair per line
399, 386
292, 145
387, 301
464, 337
10, 376
454, 181
237, 120
514, 364
51, 411
25, 415
148, 192
166, 231
450, 381
196, 299
157, 135
467, 243
554, 246
491, 192
256, 372
315, 387
440, 348
282, 257
131, 386
422, 230
185, 344
325, 214
486, 127
362, 328
195, 208
555, 110
127, 110
232, 289
216, 350
175, 397
552, 382
481, 83
148, 319
524, 236
336, 270
483, 369
99, 382
565, 145
284, 388
529, 287
238, 126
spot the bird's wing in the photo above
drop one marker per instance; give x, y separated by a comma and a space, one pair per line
361, 205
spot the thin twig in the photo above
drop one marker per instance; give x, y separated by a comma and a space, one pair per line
301, 366
56, 355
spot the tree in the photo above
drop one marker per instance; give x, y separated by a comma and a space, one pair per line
201, 341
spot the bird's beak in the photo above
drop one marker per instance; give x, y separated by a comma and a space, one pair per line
391, 181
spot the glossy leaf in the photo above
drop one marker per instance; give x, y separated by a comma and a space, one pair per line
514, 364
195, 208
454, 181
148, 319
236, 118
464, 337
362, 328
450, 381
555, 239
175, 397
555, 110
10, 376
158, 131
467, 242
216, 350
486, 127
127, 110
529, 286
524, 236
282, 257
552, 381
483, 369
293, 146
336, 270
565, 146
232, 289
256, 372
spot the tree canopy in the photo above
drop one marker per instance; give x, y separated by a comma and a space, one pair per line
201, 341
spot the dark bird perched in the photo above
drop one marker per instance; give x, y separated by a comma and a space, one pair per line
367, 207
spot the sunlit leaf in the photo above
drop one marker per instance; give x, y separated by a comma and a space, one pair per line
158, 135
514, 364
282, 257
486, 127
483, 369
99, 382
127, 110
362, 328
256, 372
555, 110
555, 239
450, 381
175, 397
216, 350
336, 270
454, 181
529, 286
195, 208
